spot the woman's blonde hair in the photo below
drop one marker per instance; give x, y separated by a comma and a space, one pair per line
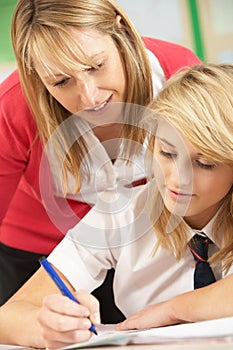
42, 27
198, 102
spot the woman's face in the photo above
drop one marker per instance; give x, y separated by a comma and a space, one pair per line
93, 91
191, 184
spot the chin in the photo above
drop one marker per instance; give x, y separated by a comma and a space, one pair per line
177, 209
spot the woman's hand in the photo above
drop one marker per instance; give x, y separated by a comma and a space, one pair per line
64, 322
156, 315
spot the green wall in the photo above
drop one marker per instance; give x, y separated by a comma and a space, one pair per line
6, 11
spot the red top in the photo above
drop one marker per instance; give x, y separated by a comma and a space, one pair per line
24, 222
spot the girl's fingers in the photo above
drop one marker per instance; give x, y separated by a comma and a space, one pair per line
62, 323
61, 304
91, 303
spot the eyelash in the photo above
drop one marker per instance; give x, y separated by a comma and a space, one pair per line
205, 166
167, 154
61, 82
97, 68
201, 165
65, 81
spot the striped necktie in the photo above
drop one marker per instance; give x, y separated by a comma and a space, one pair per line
203, 274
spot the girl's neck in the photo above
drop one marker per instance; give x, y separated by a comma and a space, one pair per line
199, 221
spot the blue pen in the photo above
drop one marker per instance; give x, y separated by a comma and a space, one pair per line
60, 284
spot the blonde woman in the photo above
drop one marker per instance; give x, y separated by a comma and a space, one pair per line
72, 56
155, 271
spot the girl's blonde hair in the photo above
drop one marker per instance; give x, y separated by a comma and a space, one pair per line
198, 102
42, 27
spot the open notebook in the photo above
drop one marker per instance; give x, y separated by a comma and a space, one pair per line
213, 329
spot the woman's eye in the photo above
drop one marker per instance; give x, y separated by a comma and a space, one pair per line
100, 65
205, 165
62, 82
167, 154
96, 68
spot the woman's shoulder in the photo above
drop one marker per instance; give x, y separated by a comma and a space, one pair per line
11, 85
171, 56
13, 105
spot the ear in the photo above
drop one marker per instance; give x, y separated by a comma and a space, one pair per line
119, 22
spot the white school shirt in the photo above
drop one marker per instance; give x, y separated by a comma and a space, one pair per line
110, 236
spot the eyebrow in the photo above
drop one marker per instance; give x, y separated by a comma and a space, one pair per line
165, 141
50, 78
60, 75
169, 144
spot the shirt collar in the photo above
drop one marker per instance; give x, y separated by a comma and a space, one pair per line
207, 230
157, 73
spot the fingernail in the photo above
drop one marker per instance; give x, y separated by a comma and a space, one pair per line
86, 323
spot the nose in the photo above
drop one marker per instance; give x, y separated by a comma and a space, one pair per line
87, 92
182, 174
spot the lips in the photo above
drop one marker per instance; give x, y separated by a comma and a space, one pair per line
100, 106
179, 195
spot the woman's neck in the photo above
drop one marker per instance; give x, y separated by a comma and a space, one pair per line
110, 137
108, 132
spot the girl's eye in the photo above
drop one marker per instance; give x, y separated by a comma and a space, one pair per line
205, 165
167, 154
62, 82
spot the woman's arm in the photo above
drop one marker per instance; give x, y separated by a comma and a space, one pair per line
213, 301
39, 316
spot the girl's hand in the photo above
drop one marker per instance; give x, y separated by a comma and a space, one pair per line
156, 315
64, 322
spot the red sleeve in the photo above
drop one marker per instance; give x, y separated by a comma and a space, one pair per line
171, 56
17, 131
24, 221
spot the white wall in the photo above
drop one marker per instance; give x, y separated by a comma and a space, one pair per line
171, 20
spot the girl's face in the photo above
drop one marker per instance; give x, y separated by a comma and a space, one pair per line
90, 90
191, 184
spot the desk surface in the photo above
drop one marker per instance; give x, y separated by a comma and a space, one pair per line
225, 344
214, 345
